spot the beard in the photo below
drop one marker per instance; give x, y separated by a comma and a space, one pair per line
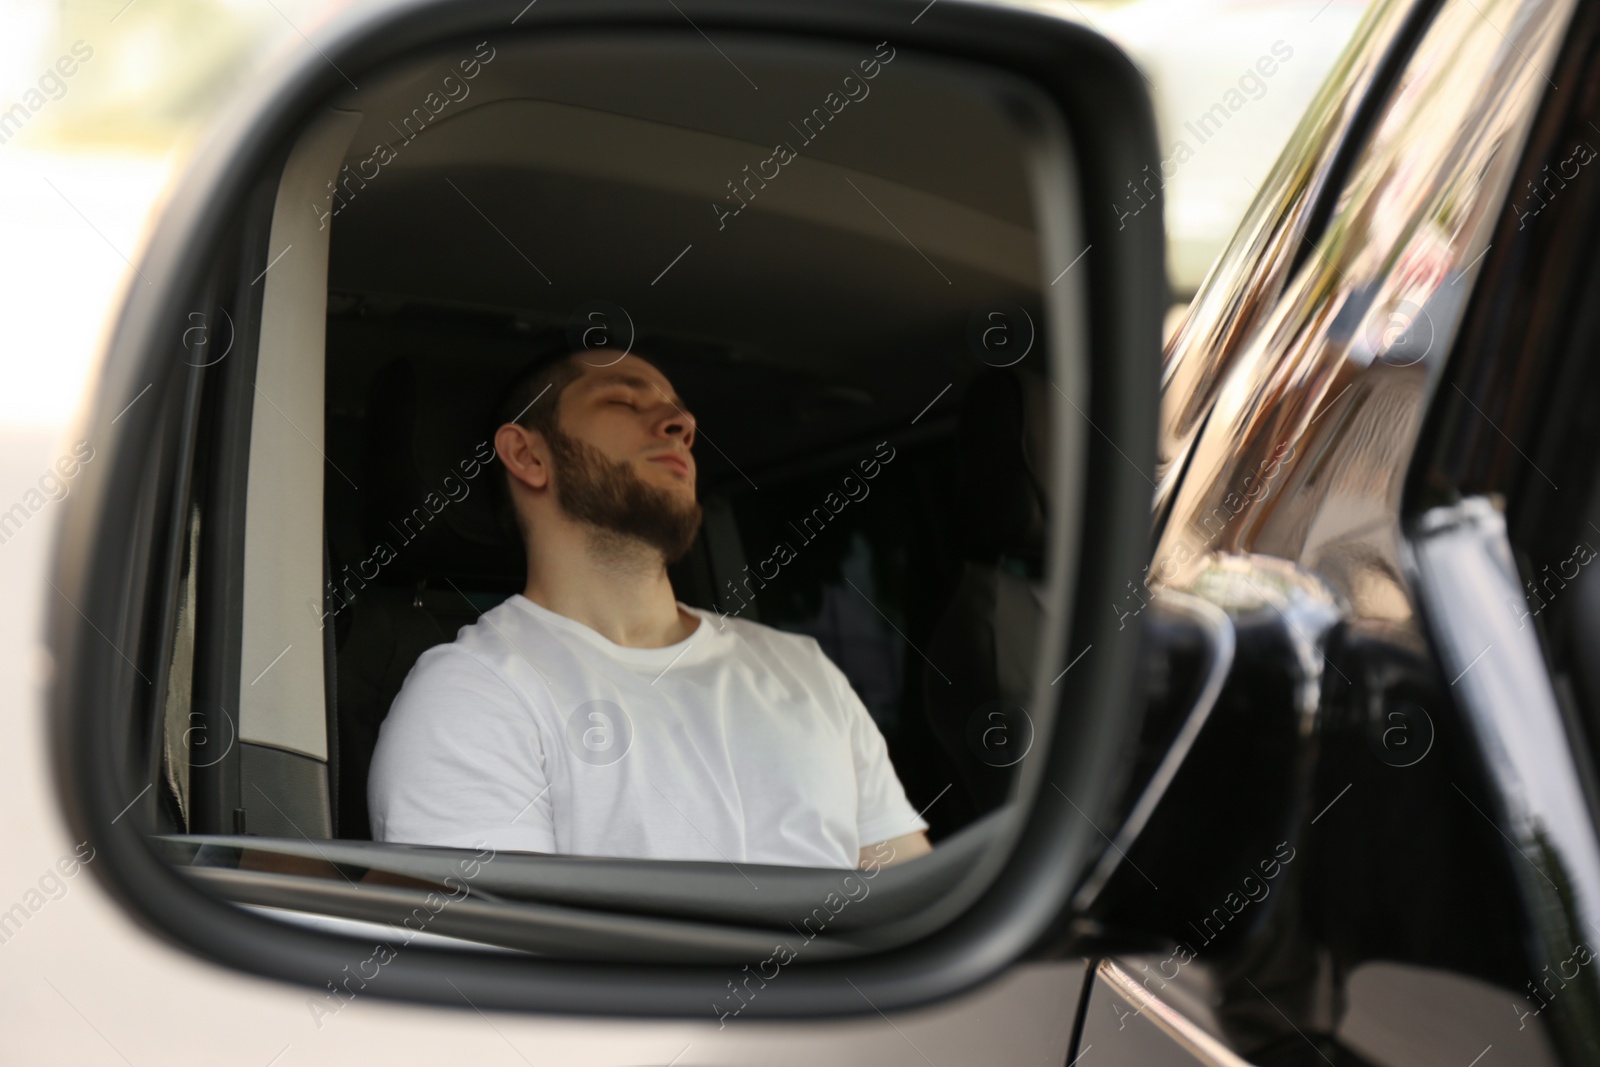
593, 489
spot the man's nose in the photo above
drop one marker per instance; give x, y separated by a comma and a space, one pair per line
680, 424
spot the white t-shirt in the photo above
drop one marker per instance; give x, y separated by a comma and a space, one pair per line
738, 744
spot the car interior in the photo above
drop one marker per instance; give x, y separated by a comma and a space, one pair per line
883, 298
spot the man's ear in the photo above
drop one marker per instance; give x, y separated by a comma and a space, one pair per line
524, 454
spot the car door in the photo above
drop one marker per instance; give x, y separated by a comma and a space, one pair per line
1373, 756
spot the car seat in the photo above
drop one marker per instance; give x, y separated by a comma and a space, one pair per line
982, 653
451, 560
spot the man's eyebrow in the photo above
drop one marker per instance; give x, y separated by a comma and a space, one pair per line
620, 378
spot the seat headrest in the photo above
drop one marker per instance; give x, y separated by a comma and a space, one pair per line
428, 471
1001, 501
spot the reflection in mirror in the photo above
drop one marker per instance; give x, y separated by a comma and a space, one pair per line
689, 463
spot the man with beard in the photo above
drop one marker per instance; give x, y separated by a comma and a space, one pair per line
594, 714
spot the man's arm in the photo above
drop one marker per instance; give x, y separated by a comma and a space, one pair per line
895, 850
881, 801
459, 761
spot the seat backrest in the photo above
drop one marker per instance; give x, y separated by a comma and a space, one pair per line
979, 680
426, 497
390, 628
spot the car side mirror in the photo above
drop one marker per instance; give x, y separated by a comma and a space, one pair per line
965, 229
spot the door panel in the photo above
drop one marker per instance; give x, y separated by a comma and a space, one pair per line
1125, 1023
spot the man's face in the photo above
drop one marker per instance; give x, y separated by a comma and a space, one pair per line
629, 411
622, 458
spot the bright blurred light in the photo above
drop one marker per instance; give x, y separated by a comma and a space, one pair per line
62, 271
1194, 53
80, 180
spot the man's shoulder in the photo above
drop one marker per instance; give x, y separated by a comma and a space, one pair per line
761, 635
482, 645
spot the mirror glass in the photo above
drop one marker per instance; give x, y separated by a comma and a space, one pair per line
659, 450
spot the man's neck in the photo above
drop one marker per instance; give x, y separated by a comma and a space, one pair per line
615, 585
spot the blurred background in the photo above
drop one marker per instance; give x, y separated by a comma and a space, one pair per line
85, 159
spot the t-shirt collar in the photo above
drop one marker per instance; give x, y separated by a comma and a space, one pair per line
644, 657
